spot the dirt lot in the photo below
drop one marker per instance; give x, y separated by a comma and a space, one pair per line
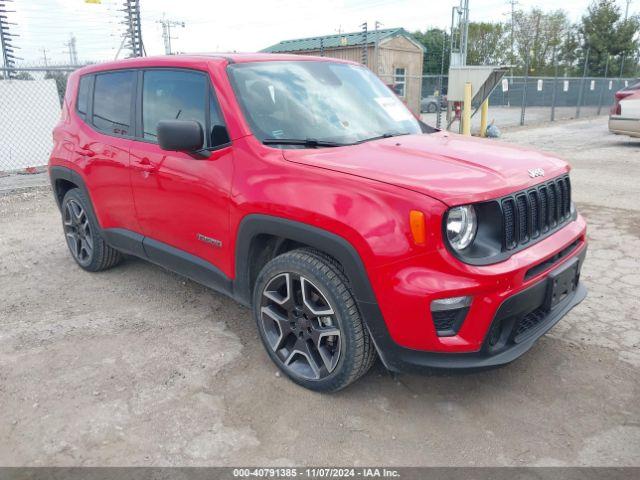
137, 366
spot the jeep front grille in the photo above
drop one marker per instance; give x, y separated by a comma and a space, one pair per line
533, 212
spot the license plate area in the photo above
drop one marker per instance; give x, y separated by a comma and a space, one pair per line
562, 283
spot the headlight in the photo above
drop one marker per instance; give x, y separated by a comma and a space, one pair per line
461, 226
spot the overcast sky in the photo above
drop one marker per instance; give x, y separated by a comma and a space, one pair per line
240, 25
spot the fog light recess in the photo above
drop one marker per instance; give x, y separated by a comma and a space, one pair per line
448, 314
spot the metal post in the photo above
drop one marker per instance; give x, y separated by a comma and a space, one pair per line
484, 113
584, 75
321, 47
604, 84
441, 82
523, 106
555, 86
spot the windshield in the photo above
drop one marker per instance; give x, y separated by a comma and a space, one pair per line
323, 101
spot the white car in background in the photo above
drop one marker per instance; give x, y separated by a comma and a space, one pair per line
624, 118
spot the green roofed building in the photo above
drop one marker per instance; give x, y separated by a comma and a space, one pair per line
392, 53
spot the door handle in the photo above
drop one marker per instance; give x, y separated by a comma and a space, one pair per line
145, 165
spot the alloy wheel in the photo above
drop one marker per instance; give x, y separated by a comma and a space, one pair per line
78, 232
300, 326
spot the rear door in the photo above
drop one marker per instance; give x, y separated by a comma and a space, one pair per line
105, 107
182, 200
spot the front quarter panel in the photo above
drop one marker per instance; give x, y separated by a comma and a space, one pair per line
371, 216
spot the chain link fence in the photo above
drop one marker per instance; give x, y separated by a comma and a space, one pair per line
528, 100
31, 99
30, 106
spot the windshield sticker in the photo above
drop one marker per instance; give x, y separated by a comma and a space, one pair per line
277, 133
394, 109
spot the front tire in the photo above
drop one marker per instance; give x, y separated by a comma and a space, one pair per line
309, 321
82, 234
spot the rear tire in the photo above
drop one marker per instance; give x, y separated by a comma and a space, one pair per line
82, 234
309, 321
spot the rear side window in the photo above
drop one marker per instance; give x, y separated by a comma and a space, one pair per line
112, 98
172, 95
82, 105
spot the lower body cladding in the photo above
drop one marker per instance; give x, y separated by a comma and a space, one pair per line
517, 323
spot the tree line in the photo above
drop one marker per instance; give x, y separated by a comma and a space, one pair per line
547, 42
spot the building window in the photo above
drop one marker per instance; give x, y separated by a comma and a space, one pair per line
400, 81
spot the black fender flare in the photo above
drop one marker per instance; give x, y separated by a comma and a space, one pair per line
64, 173
327, 242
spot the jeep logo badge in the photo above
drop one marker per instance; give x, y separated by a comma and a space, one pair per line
536, 172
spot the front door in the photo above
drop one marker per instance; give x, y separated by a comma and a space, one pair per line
181, 199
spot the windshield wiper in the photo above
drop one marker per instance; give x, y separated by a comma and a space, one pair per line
384, 135
305, 142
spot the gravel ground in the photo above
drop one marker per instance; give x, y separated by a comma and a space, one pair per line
137, 366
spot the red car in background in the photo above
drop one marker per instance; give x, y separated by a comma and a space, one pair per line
304, 189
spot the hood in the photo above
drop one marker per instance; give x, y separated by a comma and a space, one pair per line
452, 168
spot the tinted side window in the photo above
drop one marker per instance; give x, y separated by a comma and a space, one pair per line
112, 96
172, 95
82, 105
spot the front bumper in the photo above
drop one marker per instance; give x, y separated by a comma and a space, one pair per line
527, 306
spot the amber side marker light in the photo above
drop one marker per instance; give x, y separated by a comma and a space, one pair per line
418, 227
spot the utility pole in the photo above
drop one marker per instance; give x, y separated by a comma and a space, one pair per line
132, 38
72, 50
626, 17
513, 4
166, 32
459, 34
365, 42
8, 49
376, 26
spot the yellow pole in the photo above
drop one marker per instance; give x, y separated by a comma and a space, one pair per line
466, 110
484, 113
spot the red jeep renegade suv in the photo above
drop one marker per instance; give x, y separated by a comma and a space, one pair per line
303, 188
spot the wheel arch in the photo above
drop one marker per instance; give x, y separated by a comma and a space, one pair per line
64, 179
262, 237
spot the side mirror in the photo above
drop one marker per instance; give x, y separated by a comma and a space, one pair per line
180, 135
